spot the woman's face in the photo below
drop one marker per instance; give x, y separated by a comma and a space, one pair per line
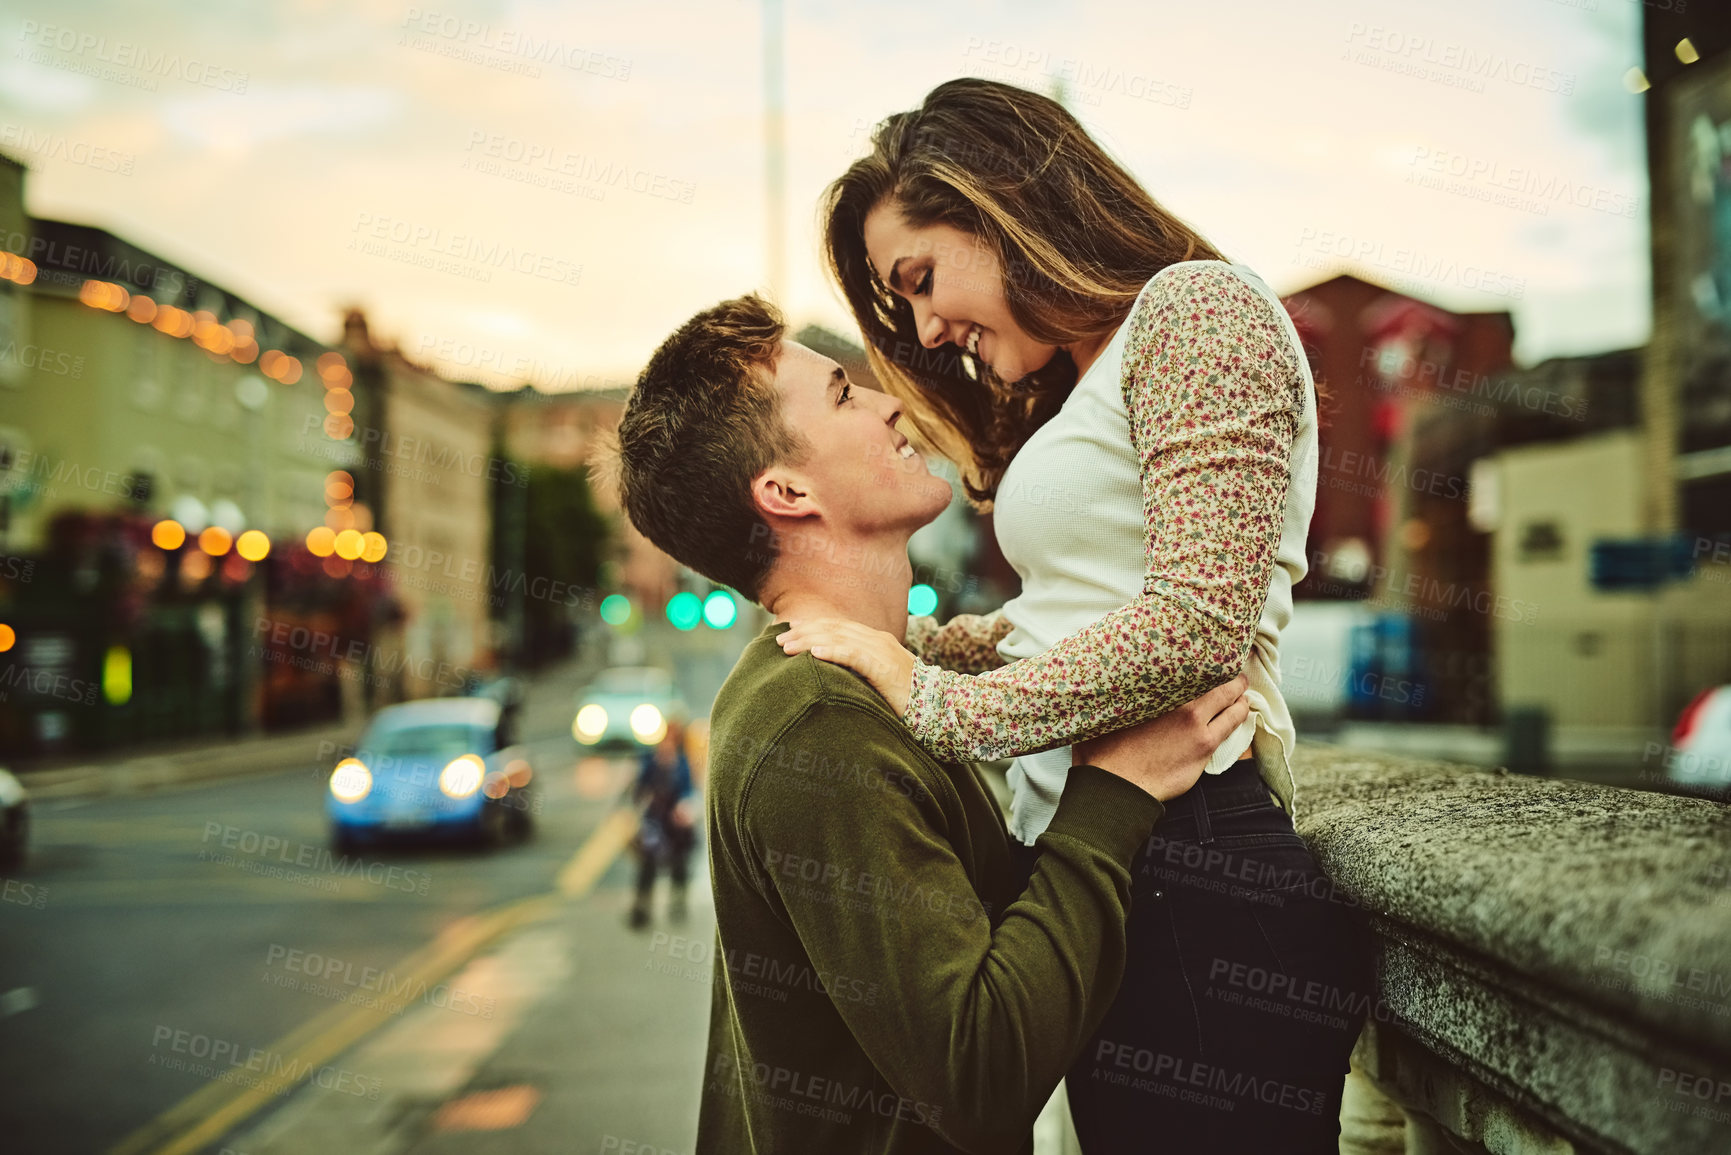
956, 287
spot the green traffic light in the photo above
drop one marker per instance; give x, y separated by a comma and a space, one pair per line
719, 610
922, 600
615, 609
684, 610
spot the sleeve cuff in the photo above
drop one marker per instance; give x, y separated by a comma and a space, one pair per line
1103, 809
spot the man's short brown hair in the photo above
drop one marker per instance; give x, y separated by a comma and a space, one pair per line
703, 421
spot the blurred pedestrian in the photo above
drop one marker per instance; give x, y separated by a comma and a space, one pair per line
665, 834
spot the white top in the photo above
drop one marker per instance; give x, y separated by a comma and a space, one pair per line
1068, 515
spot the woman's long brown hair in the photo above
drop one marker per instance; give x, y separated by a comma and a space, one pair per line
1076, 238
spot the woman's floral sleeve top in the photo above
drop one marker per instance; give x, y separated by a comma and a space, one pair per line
1214, 393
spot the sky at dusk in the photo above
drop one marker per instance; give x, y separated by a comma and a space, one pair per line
542, 191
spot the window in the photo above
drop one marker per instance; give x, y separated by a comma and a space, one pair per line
1540, 541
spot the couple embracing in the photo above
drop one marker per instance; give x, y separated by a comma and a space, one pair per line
897, 972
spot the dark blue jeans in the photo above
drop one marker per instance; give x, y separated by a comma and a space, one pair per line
1247, 982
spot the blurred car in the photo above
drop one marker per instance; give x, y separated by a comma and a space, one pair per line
440, 767
14, 819
627, 705
1700, 756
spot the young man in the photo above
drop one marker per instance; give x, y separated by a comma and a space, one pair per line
884, 982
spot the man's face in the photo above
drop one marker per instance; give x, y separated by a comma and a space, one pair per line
855, 475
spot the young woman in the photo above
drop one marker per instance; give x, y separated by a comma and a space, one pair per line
1142, 415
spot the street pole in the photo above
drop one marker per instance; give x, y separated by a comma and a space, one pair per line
774, 158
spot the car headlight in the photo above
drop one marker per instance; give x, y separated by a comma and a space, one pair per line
461, 776
351, 781
591, 723
648, 724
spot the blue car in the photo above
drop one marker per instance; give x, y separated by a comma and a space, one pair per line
443, 767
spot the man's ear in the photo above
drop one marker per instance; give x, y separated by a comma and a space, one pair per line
781, 493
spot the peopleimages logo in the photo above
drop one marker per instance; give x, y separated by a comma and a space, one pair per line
227, 1061
1457, 65
1403, 266
125, 55
275, 849
436, 455
53, 146
471, 256
1516, 186
367, 985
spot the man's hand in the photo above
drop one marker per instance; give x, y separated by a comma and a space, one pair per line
1165, 755
879, 658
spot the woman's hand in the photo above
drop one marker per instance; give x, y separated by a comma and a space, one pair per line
1166, 755
879, 658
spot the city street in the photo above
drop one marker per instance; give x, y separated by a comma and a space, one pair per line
230, 984
407, 413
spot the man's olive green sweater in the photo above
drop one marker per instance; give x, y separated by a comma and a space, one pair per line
879, 985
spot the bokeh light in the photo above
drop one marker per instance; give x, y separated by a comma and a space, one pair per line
684, 610
922, 599
253, 545
720, 610
168, 534
215, 540
104, 295
117, 675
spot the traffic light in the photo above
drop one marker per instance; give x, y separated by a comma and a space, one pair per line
719, 610
684, 610
615, 609
922, 599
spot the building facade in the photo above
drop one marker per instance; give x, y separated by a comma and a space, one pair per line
1409, 395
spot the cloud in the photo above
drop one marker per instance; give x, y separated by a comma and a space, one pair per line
40, 88
235, 126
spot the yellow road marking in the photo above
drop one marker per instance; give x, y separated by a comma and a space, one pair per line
218, 1108
597, 853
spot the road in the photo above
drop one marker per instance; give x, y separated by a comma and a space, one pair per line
154, 940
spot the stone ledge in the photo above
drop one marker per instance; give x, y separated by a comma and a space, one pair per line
1553, 958
1621, 898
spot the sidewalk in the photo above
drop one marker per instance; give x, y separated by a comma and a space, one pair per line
120, 772
168, 764
595, 1044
